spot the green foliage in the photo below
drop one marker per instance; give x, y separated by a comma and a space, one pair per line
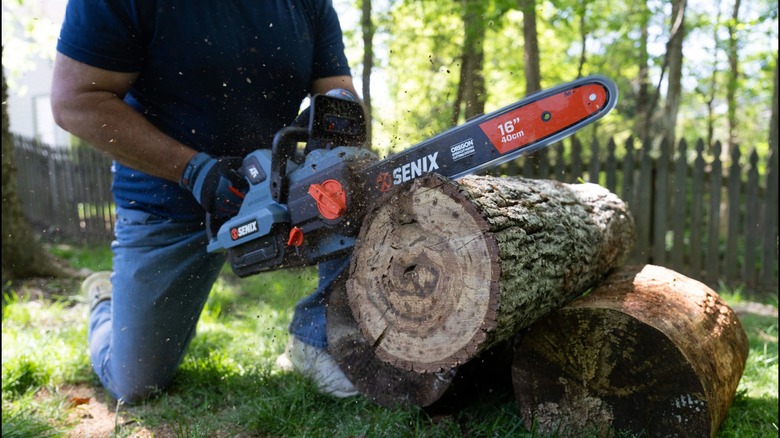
423, 61
424, 41
21, 375
21, 421
28, 33
94, 258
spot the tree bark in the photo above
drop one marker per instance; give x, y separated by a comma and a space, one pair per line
582, 11
733, 81
533, 77
471, 85
442, 270
773, 119
643, 110
648, 351
23, 255
674, 82
368, 28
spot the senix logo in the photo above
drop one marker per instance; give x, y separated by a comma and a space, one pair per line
243, 230
410, 171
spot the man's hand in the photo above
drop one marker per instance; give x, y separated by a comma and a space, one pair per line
215, 183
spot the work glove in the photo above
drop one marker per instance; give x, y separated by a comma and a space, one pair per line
216, 184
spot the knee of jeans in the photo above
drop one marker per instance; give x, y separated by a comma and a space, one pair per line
135, 394
139, 386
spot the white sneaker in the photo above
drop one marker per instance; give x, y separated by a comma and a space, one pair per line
97, 288
316, 364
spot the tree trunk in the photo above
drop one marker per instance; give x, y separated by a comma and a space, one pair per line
733, 81
674, 82
471, 85
582, 11
533, 77
773, 119
444, 270
22, 254
367, 26
709, 95
643, 110
648, 351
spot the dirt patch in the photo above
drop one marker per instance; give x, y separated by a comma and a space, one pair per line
94, 414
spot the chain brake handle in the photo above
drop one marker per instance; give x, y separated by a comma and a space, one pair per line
339, 121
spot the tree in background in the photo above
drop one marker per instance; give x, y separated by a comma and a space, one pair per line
707, 88
471, 93
731, 85
533, 76
368, 29
642, 101
674, 54
23, 255
582, 12
773, 119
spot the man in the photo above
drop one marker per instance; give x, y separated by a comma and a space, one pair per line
171, 90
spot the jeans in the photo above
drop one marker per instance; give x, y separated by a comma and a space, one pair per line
162, 278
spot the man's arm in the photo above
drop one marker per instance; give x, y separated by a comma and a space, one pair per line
87, 102
323, 85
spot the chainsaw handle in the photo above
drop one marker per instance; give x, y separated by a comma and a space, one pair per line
282, 149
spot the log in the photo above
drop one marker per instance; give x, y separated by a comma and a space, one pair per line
648, 351
444, 270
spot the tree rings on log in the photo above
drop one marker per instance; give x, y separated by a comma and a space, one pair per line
648, 351
443, 270
432, 271
376, 380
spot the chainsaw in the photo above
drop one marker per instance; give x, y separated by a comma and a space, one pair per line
303, 208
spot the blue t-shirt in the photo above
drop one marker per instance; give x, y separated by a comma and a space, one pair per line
219, 76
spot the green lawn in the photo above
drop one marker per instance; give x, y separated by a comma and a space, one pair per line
227, 385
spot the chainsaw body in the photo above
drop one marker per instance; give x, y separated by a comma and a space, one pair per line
303, 209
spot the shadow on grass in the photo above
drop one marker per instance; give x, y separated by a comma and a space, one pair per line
212, 395
207, 403
280, 290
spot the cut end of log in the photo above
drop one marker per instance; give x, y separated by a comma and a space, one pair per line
376, 380
443, 270
424, 278
648, 351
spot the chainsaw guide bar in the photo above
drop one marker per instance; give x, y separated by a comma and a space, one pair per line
503, 135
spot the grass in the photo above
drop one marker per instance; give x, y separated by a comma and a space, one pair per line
755, 404
227, 385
